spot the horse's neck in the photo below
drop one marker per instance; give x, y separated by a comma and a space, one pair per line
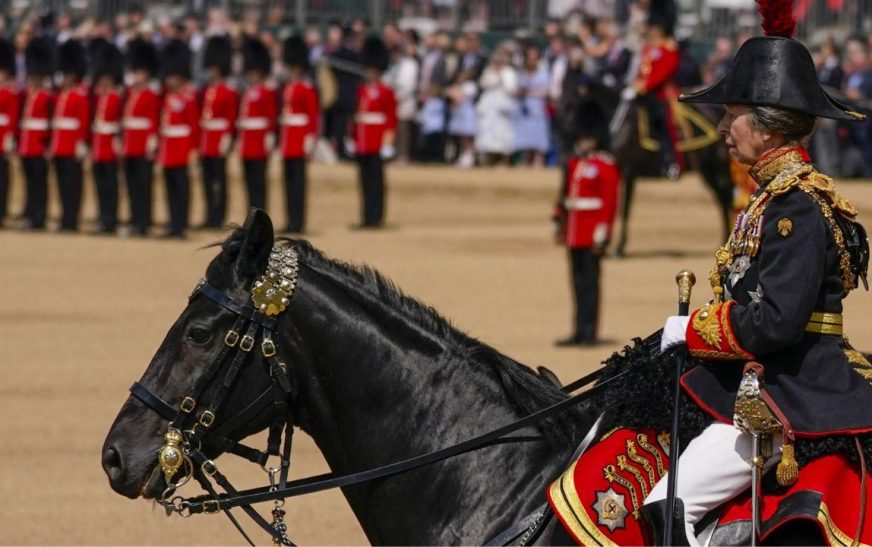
377, 394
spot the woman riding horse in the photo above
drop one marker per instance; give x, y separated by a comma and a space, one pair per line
794, 254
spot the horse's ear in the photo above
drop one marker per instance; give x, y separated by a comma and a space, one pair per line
255, 250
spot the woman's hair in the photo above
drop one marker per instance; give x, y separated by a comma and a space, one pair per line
792, 125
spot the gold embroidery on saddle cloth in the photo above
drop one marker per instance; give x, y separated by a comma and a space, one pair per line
568, 505
612, 475
646, 465
686, 119
624, 465
642, 439
663, 439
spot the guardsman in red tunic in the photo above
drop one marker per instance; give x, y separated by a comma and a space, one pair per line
585, 213
299, 129
179, 132
139, 125
10, 109
107, 75
71, 131
374, 127
33, 144
219, 112
257, 120
655, 86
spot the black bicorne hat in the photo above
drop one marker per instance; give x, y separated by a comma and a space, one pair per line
375, 54
218, 53
256, 57
7, 57
774, 70
39, 57
72, 58
106, 60
295, 52
142, 55
175, 59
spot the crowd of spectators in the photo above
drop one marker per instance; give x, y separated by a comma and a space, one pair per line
466, 102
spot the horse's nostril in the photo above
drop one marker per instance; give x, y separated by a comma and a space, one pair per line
112, 463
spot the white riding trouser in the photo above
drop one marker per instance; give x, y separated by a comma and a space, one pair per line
713, 469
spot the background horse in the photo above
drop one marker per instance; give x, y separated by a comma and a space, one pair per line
379, 378
636, 150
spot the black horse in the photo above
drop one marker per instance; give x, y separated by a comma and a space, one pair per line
637, 150
380, 378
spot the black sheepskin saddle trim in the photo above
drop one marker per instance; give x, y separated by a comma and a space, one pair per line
643, 398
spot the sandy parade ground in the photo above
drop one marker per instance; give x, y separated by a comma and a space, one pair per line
81, 316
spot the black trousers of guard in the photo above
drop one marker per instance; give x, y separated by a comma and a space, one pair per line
36, 178
68, 174
295, 193
585, 271
138, 173
178, 196
106, 180
255, 182
372, 184
215, 190
4, 187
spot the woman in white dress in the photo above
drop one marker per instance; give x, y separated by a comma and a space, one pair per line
531, 124
495, 108
462, 123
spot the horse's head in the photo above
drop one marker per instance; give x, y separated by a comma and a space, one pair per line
210, 372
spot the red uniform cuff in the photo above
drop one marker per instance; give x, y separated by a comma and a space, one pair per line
710, 334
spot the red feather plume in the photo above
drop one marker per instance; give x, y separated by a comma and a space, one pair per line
778, 17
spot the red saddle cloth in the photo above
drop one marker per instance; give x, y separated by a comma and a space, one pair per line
598, 497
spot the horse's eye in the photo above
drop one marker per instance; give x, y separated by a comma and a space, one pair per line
199, 334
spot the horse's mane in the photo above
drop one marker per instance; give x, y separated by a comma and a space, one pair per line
526, 390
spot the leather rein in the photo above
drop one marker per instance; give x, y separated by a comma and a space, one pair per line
191, 422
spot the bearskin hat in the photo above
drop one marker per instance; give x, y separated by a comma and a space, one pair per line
106, 60
7, 57
142, 55
375, 54
663, 14
175, 59
39, 57
255, 56
218, 53
72, 58
590, 121
295, 52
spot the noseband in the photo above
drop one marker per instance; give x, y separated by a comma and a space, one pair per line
191, 422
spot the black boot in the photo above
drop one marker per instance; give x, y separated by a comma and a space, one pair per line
654, 515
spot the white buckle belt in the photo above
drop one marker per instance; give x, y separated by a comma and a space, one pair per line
106, 128
253, 123
215, 124
370, 118
35, 124
136, 123
295, 120
173, 131
583, 204
66, 124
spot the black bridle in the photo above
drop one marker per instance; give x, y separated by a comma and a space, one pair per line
192, 421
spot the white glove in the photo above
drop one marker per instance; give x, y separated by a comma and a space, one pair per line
81, 150
269, 142
224, 144
151, 146
117, 146
628, 94
600, 234
309, 144
388, 151
350, 147
9, 145
674, 331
